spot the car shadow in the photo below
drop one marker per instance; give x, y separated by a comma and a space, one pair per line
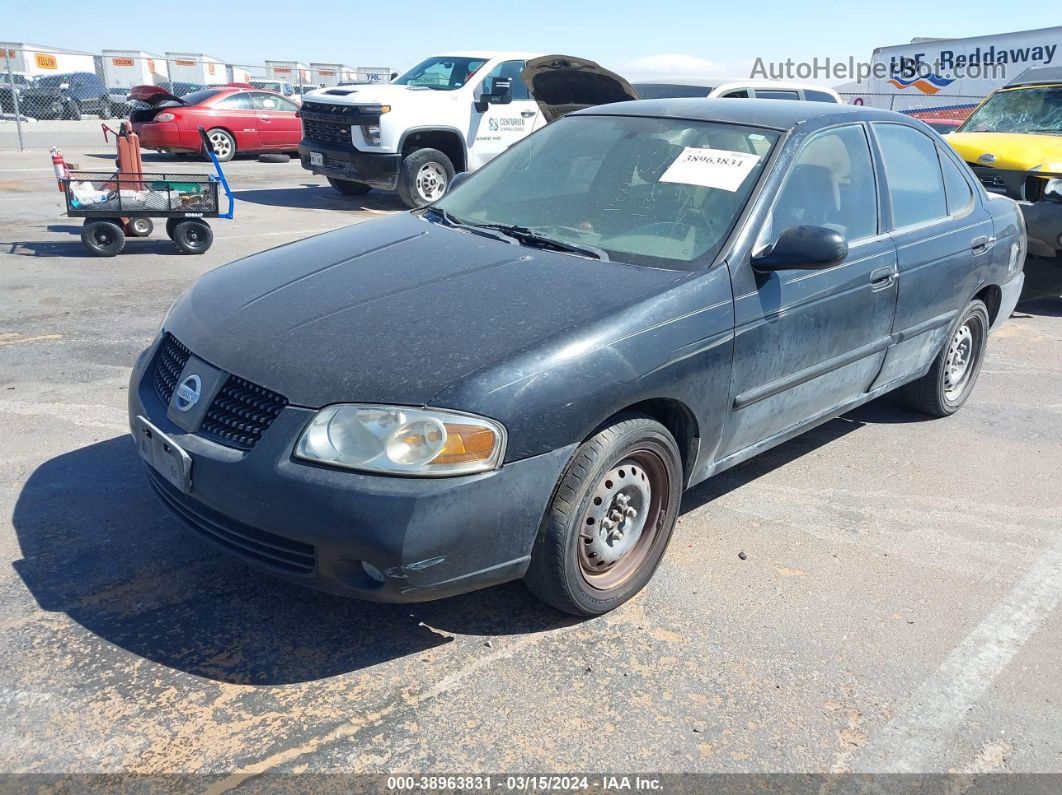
318, 197
1042, 293
97, 546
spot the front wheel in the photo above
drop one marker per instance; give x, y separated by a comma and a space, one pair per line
193, 236
610, 520
423, 177
72, 110
106, 109
349, 187
950, 380
223, 144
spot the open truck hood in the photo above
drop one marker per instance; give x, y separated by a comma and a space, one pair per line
562, 84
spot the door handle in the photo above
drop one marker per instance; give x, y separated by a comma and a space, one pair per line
979, 245
527, 114
880, 278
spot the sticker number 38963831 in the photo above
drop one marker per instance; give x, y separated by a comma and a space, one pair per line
710, 168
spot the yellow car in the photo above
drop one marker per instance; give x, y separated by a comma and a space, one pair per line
1013, 142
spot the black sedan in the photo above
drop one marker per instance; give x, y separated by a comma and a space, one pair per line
520, 380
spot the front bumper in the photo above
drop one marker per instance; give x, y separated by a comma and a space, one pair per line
377, 170
1043, 223
315, 525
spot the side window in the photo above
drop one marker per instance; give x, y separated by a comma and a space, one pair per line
510, 70
235, 102
957, 189
770, 93
818, 96
266, 102
286, 104
831, 184
736, 94
912, 170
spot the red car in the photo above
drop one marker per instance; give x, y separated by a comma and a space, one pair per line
236, 120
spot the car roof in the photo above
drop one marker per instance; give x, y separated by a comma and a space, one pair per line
779, 114
491, 54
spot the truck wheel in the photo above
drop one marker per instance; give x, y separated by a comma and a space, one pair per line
423, 177
223, 143
72, 110
106, 110
193, 236
103, 238
139, 227
951, 379
349, 187
610, 519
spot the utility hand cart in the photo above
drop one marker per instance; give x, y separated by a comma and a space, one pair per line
122, 203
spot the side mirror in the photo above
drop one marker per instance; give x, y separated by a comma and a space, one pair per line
459, 177
803, 248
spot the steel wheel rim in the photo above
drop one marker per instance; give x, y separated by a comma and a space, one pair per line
222, 145
102, 237
959, 361
622, 520
431, 181
193, 235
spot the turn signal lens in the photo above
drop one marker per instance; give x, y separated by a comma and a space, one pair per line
165, 117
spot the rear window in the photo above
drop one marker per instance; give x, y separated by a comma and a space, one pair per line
668, 91
199, 96
772, 93
818, 96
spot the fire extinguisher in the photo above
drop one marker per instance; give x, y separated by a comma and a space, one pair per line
59, 166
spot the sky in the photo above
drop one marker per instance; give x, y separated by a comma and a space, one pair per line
638, 39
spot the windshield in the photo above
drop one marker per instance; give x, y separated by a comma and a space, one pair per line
441, 73
51, 81
1021, 110
648, 191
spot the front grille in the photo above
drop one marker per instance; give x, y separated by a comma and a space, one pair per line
241, 413
169, 362
326, 132
993, 183
242, 539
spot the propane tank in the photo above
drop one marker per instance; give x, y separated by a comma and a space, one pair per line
59, 166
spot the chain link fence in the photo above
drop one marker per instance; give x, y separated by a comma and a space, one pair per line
56, 97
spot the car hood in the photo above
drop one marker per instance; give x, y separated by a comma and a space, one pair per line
393, 310
562, 84
370, 92
1017, 151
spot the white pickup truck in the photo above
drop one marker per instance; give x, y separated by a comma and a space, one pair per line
448, 114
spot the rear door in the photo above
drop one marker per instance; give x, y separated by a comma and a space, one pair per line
808, 341
236, 114
278, 126
498, 126
943, 240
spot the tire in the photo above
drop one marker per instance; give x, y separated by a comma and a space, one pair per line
72, 110
349, 187
193, 236
139, 227
423, 177
274, 157
583, 563
950, 380
103, 238
170, 224
106, 109
224, 144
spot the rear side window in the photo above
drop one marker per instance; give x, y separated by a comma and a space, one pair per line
831, 184
956, 187
736, 95
775, 94
916, 188
818, 96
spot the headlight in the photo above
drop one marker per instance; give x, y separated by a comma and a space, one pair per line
402, 441
1053, 189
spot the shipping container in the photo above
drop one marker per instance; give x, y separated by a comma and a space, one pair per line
373, 74
293, 72
331, 74
196, 67
128, 68
36, 59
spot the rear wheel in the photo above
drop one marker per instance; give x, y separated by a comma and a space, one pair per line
193, 236
349, 187
72, 110
610, 520
223, 144
103, 238
951, 379
139, 227
423, 177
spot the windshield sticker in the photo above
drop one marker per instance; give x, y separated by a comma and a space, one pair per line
710, 168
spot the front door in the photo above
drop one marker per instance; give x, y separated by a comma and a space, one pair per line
806, 341
278, 126
235, 113
499, 126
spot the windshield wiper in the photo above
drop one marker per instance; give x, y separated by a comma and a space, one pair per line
475, 229
530, 237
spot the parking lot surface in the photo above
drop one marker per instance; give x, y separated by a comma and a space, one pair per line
895, 606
